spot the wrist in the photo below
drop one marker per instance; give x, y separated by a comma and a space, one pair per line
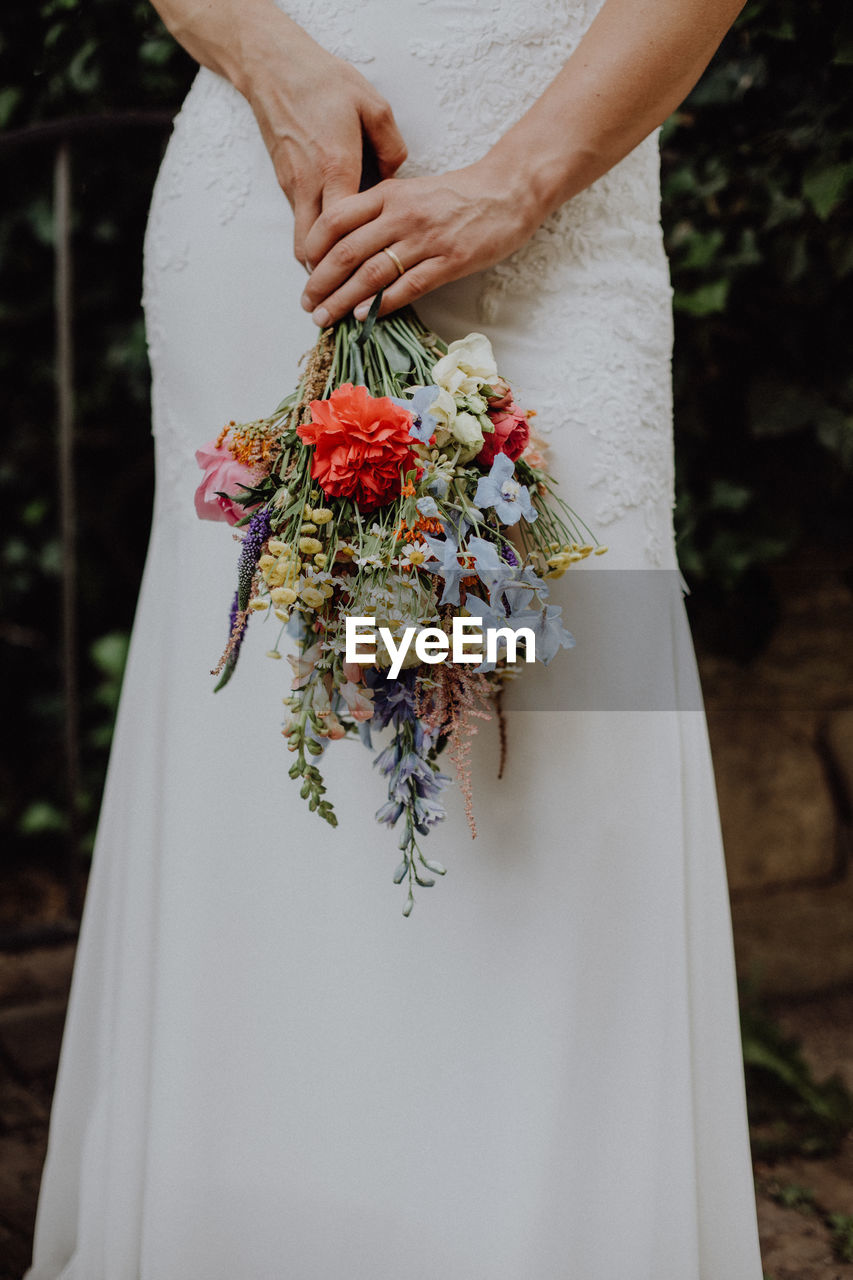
542, 171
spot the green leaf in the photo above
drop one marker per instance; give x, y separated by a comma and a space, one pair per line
9, 99
707, 300
83, 71
824, 188
835, 433
702, 248
109, 653
726, 496
40, 818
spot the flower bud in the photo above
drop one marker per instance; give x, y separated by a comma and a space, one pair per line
501, 396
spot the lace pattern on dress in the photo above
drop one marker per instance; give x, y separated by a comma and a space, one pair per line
489, 62
602, 247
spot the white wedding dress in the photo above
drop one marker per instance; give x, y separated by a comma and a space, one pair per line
268, 1073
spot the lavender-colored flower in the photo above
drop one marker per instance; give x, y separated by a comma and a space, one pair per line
257, 532
393, 700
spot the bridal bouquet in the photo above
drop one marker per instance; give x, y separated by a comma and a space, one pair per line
398, 522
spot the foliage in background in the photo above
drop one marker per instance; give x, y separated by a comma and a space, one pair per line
58, 59
756, 167
790, 1113
757, 174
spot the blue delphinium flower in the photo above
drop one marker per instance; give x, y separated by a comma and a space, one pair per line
520, 589
445, 564
546, 623
418, 405
510, 499
427, 507
393, 700
492, 571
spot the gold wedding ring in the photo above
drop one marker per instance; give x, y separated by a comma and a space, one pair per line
397, 263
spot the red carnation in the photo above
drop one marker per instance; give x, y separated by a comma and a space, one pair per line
361, 443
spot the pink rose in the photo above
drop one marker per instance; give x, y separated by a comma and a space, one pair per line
510, 435
223, 472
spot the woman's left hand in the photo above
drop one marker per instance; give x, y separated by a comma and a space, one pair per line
439, 228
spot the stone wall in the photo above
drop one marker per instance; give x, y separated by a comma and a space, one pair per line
781, 732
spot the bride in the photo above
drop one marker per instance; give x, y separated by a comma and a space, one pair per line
267, 1073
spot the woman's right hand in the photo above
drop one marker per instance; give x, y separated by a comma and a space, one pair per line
315, 111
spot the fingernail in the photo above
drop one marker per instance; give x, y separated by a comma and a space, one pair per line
309, 266
321, 317
306, 302
361, 310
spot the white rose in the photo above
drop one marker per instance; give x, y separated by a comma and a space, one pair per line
469, 363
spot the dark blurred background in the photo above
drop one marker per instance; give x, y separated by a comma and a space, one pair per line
757, 170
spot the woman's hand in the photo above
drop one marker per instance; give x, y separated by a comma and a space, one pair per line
636, 62
314, 110
440, 228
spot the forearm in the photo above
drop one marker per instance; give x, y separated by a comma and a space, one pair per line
237, 39
637, 62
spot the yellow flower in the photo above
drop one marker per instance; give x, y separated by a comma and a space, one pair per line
309, 546
312, 597
257, 603
266, 562
277, 547
322, 515
320, 559
283, 595
308, 527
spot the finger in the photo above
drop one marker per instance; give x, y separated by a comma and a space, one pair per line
412, 285
378, 272
338, 220
344, 259
385, 138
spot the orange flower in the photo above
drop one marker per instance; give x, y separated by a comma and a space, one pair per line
361, 443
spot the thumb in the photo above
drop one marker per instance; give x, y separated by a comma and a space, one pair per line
385, 138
